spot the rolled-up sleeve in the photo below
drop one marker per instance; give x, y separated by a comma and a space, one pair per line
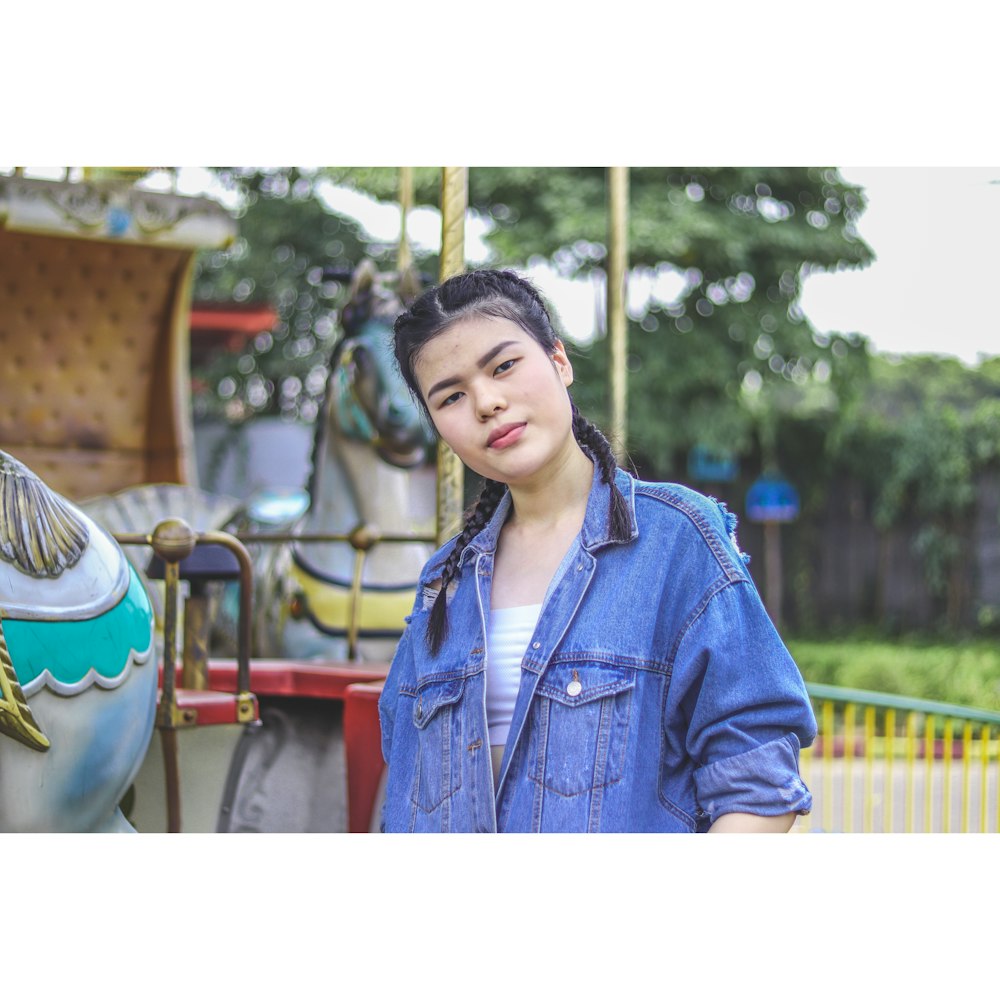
764, 781
743, 706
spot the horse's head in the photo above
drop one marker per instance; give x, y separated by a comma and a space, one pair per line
367, 398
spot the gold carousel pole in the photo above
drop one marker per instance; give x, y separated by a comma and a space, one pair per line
454, 199
404, 257
617, 332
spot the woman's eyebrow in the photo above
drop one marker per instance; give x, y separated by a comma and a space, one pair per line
447, 383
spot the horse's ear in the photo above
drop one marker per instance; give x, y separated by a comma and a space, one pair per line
364, 277
408, 287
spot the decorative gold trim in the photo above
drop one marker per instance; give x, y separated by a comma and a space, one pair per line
16, 719
40, 533
113, 210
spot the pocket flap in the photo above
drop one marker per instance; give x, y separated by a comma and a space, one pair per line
433, 696
581, 683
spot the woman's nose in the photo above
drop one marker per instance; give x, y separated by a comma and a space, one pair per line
488, 402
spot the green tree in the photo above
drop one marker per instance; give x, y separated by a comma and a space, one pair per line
711, 367
918, 433
743, 238
288, 239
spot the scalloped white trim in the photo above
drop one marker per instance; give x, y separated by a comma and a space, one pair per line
92, 677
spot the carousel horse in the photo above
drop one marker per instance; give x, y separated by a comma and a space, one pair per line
372, 465
78, 673
372, 472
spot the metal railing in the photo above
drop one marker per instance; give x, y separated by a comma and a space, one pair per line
887, 764
363, 539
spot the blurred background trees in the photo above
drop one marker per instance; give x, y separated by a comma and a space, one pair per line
717, 339
720, 355
287, 238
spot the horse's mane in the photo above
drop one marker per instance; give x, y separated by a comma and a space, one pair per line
40, 532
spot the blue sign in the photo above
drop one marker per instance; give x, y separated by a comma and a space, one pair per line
711, 466
772, 498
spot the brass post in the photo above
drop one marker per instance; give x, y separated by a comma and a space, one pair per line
171, 573
450, 478
354, 625
404, 257
172, 540
362, 538
617, 331
168, 700
245, 707
194, 661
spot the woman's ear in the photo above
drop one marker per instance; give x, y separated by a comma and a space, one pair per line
562, 364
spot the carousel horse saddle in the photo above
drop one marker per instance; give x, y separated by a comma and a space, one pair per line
327, 602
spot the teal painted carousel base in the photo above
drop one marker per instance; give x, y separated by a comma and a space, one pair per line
78, 674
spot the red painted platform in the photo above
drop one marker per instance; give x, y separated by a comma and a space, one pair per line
358, 685
209, 708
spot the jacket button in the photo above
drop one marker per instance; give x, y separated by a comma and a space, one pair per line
574, 688
536, 645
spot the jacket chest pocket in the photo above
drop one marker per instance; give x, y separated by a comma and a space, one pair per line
437, 718
581, 715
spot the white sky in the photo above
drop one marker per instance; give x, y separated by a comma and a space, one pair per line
935, 232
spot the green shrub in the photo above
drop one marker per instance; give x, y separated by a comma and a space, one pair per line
966, 673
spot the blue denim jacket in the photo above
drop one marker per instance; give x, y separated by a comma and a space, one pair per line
655, 693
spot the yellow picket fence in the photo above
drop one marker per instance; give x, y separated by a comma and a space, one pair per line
883, 764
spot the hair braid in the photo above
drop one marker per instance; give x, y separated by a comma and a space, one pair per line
590, 438
475, 521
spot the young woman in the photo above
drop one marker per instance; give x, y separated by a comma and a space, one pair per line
590, 653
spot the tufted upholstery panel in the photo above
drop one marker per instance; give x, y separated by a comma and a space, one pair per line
94, 384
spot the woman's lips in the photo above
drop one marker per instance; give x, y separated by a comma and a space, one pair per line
505, 436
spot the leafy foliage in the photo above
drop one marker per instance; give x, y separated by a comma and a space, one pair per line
288, 237
966, 673
741, 238
728, 361
917, 433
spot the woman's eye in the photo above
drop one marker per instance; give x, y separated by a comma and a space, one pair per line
453, 398
506, 366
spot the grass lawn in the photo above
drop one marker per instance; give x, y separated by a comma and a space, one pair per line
964, 673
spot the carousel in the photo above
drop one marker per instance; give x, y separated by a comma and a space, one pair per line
173, 660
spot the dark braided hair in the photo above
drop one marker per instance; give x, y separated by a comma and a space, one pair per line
501, 295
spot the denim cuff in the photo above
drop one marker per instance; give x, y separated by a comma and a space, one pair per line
763, 781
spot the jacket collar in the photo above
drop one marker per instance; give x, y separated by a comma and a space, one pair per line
596, 530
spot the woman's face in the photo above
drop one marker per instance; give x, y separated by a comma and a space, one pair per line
497, 399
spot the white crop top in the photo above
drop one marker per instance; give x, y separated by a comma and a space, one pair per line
509, 632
